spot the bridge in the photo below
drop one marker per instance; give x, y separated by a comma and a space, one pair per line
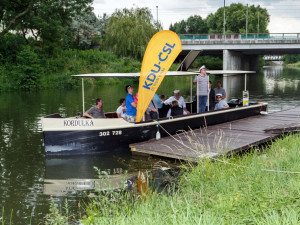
240, 51
272, 57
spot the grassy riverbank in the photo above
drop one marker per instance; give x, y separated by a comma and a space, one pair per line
219, 193
30, 68
34, 70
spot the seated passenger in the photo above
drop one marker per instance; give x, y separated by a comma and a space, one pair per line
163, 110
221, 104
121, 110
152, 111
175, 110
220, 90
211, 98
95, 111
179, 99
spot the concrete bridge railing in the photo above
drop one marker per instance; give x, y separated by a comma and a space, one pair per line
241, 51
251, 36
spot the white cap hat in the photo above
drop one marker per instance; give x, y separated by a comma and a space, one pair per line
219, 95
202, 67
176, 91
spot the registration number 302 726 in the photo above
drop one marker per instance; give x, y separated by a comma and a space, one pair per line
108, 133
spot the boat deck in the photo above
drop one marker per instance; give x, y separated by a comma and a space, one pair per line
223, 138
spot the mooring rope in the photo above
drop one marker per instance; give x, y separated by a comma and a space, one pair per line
225, 162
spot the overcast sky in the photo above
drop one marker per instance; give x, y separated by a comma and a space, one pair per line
284, 15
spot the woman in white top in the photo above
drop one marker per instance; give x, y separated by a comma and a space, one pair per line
121, 111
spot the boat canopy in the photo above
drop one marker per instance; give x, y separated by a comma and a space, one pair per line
169, 73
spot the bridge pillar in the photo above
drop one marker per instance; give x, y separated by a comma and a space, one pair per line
233, 60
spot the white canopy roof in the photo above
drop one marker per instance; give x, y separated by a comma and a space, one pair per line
169, 73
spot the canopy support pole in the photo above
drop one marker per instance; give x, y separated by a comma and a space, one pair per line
82, 84
198, 93
208, 94
191, 94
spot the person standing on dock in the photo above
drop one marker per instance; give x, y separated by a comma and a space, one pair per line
220, 90
130, 105
202, 89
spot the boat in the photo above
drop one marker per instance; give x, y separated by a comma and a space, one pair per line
79, 135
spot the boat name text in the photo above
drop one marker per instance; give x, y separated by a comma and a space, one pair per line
78, 123
162, 56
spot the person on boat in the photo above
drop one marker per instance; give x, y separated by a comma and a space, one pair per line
211, 97
179, 99
175, 110
220, 90
121, 110
202, 81
163, 110
152, 111
95, 111
221, 104
130, 105
136, 98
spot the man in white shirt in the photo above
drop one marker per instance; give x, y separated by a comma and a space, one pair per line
179, 99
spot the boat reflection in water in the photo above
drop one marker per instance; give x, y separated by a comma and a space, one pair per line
73, 174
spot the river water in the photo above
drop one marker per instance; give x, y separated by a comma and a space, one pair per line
29, 179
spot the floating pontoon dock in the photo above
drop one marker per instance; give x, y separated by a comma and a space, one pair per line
223, 138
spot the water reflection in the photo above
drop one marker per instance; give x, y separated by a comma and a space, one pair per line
277, 85
24, 167
69, 175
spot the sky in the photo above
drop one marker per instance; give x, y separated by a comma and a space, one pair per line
284, 15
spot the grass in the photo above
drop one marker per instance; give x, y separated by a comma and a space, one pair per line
297, 64
217, 193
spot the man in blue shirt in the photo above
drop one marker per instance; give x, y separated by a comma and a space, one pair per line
221, 104
130, 105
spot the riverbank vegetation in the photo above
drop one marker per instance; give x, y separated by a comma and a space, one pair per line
42, 44
236, 190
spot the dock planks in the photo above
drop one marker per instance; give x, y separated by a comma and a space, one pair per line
223, 138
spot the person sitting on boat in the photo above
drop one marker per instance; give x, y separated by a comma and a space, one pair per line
221, 104
179, 99
220, 90
211, 97
121, 110
136, 98
175, 110
95, 111
152, 111
163, 110
130, 105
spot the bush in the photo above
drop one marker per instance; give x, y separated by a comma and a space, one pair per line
27, 72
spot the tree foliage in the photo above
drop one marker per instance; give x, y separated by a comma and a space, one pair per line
236, 19
128, 31
46, 20
193, 25
87, 30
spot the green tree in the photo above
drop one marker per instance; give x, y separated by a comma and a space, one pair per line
193, 25
46, 20
27, 71
86, 28
128, 32
236, 19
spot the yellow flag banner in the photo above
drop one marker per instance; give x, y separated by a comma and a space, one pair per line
162, 50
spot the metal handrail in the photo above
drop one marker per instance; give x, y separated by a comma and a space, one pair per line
249, 36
